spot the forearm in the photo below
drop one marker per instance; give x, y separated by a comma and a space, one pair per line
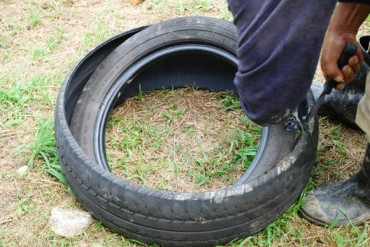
348, 17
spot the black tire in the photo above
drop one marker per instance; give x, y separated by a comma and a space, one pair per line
270, 186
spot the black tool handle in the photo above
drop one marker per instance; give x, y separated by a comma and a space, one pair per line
349, 51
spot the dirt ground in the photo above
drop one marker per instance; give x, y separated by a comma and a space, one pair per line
40, 41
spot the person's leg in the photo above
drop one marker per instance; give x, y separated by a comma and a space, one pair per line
363, 121
279, 43
345, 202
363, 111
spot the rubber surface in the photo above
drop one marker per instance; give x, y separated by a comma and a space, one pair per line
281, 169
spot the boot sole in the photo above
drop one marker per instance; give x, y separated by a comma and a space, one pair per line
355, 222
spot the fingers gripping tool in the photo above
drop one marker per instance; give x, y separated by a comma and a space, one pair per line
349, 51
294, 123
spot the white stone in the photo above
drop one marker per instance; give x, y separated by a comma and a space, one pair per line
69, 223
22, 170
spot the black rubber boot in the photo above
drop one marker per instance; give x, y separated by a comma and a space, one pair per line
341, 203
342, 104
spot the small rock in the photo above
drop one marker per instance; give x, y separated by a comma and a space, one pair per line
22, 170
69, 223
136, 2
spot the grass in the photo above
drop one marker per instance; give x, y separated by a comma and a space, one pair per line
190, 7
195, 148
33, 18
39, 43
97, 36
52, 42
44, 149
17, 98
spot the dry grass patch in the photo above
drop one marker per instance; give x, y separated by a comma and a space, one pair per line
177, 140
340, 152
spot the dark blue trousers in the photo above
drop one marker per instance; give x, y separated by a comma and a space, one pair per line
279, 43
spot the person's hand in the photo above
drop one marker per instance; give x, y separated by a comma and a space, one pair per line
342, 29
333, 46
